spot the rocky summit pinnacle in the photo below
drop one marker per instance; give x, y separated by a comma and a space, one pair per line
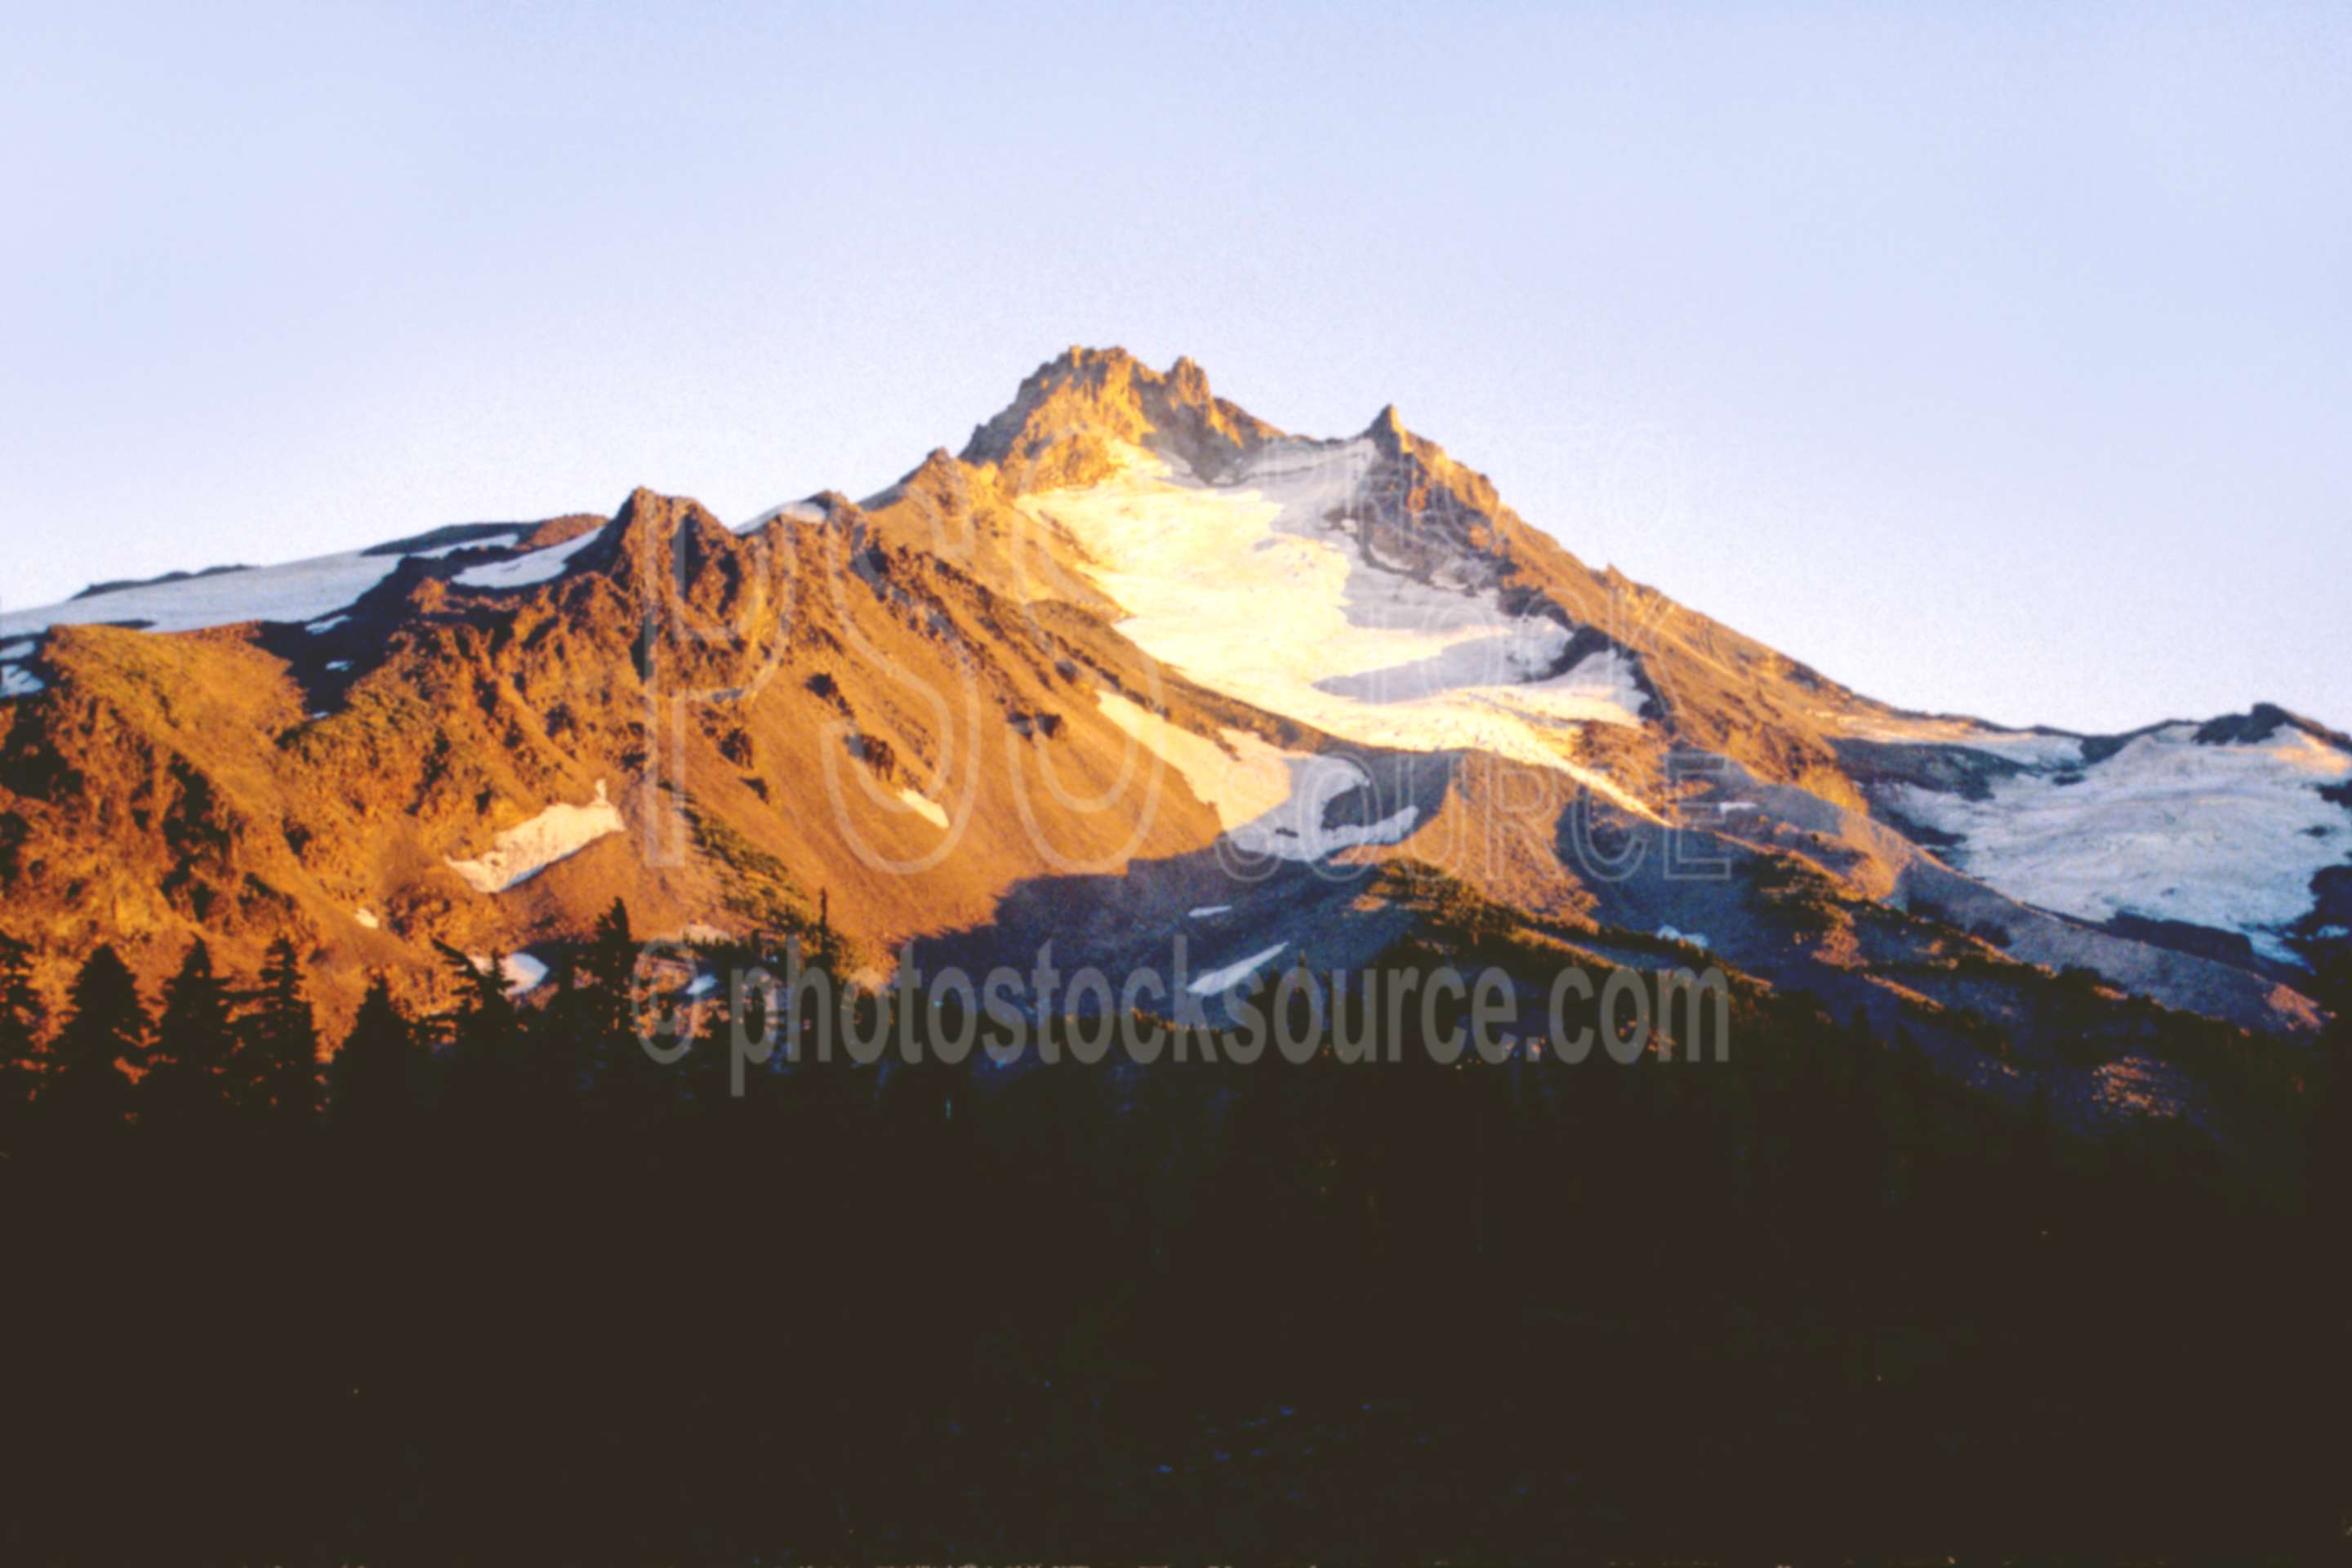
1059, 683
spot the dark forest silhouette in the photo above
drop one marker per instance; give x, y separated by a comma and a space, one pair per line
491, 1286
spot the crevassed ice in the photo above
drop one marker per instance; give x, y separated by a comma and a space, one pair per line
526, 849
1250, 588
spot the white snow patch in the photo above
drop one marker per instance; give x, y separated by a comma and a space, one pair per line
16, 680
922, 806
536, 567
790, 511
2028, 748
703, 986
1668, 933
1294, 830
2222, 835
1269, 801
1241, 780
367, 917
2332, 933
18, 649
339, 663
1205, 910
1248, 587
298, 592
302, 593
490, 541
520, 970
524, 851
1231, 975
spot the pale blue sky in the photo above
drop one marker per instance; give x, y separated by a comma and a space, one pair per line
1992, 360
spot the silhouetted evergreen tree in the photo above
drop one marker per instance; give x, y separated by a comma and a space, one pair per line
606, 962
1334, 1310
103, 1039
280, 1041
20, 1035
376, 1081
625, 1086
192, 1079
487, 1076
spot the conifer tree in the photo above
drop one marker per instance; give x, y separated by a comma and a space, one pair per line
486, 1078
195, 1046
102, 1041
280, 1044
20, 1035
377, 1081
603, 976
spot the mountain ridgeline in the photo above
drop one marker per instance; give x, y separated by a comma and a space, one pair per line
1134, 653
379, 1143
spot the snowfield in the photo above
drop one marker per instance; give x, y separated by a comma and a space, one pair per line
17, 682
1250, 588
2027, 748
806, 510
1269, 801
2222, 835
526, 849
494, 541
297, 592
534, 566
1231, 975
305, 592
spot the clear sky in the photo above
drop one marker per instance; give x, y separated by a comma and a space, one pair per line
1990, 359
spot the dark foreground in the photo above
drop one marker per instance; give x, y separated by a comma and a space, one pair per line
511, 1294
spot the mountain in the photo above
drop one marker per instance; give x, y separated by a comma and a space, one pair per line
1134, 665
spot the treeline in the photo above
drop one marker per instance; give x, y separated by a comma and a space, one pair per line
213, 1055
491, 1286
211, 1052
